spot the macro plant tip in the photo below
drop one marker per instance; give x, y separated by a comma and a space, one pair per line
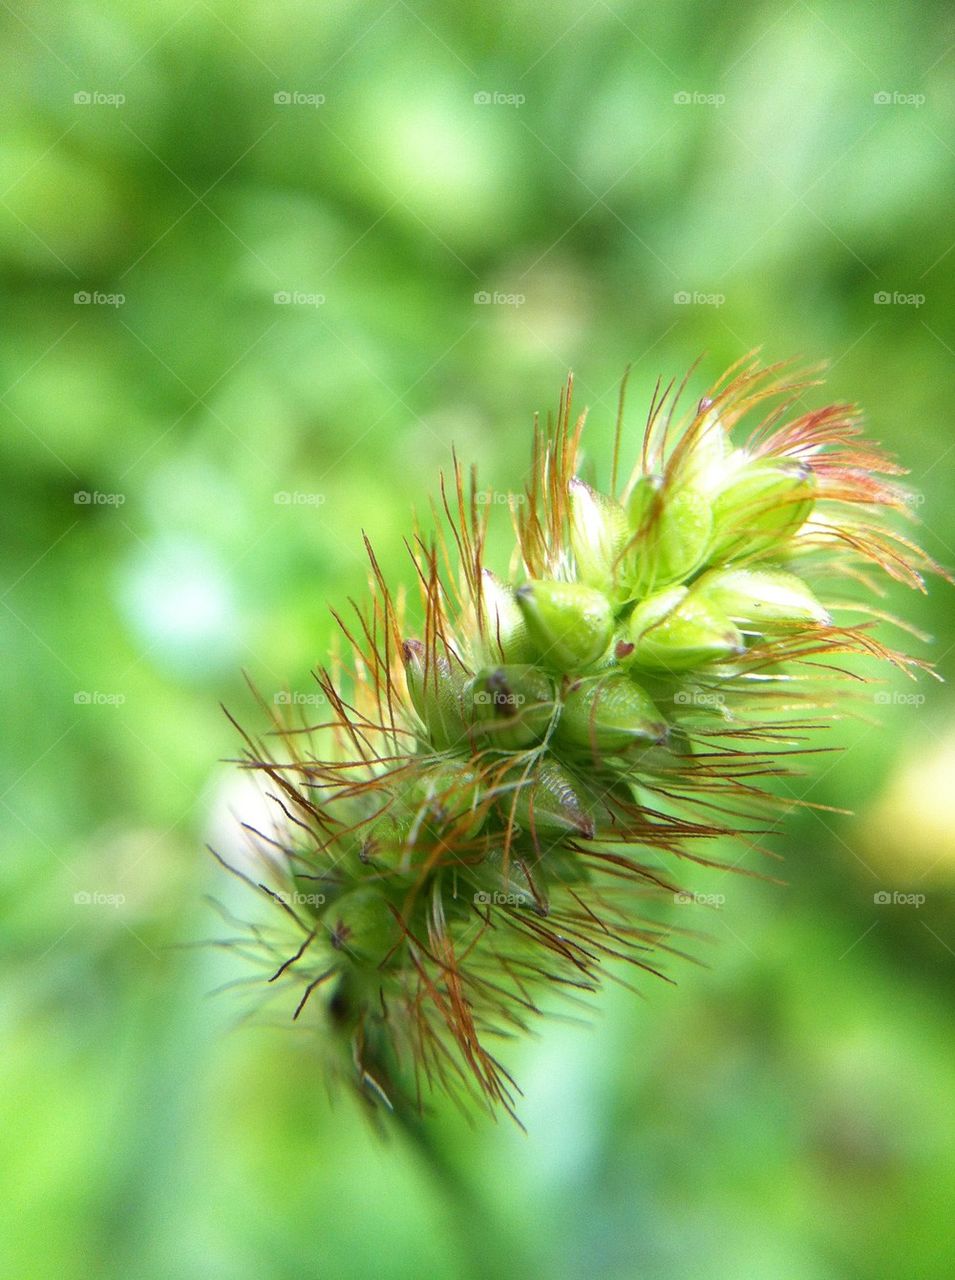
494, 811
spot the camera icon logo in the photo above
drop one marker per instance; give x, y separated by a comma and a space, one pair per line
282, 98
83, 98
880, 99
882, 898
482, 99
482, 298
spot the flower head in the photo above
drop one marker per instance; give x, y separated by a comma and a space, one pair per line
497, 805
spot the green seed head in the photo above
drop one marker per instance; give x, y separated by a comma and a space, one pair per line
549, 802
505, 631
437, 690
569, 624
612, 713
671, 536
760, 509
494, 815
513, 706
678, 630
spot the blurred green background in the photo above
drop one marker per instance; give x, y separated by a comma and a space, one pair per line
298, 250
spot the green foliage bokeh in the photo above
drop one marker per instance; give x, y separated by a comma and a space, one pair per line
320, 245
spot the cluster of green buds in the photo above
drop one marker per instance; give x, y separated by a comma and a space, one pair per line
496, 804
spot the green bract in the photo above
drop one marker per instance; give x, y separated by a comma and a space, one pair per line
570, 625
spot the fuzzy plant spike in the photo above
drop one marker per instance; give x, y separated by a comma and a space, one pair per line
497, 806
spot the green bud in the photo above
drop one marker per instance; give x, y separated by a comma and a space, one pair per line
506, 881
761, 596
764, 504
512, 706
361, 926
598, 534
673, 528
609, 713
570, 624
437, 692
548, 803
506, 638
428, 803
674, 631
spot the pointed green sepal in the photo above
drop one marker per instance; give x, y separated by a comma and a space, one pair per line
598, 534
761, 596
546, 803
570, 624
505, 631
764, 504
609, 713
671, 533
438, 692
512, 706
672, 631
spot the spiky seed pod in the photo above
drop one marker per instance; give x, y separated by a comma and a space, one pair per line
489, 812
